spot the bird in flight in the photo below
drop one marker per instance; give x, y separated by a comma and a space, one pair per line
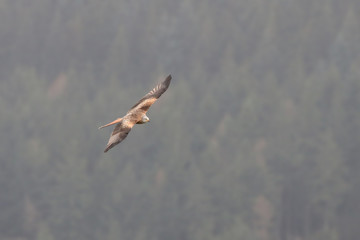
136, 115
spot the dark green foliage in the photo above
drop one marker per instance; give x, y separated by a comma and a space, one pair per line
257, 137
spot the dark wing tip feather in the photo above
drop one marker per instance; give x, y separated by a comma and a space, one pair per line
167, 81
108, 148
155, 92
119, 133
160, 88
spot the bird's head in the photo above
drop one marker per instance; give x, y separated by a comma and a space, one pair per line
144, 119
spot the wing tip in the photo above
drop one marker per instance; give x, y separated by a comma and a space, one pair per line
108, 147
167, 81
168, 78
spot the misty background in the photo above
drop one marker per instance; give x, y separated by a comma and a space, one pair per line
257, 137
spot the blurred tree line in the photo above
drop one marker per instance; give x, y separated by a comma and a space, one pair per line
257, 137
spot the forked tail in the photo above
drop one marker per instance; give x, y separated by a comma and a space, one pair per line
112, 123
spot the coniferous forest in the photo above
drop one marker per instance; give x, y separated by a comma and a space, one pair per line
257, 137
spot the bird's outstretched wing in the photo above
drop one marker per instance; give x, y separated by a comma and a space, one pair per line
135, 114
145, 103
119, 133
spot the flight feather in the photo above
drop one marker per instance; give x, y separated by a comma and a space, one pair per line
135, 114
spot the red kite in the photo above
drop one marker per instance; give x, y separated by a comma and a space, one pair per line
136, 115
